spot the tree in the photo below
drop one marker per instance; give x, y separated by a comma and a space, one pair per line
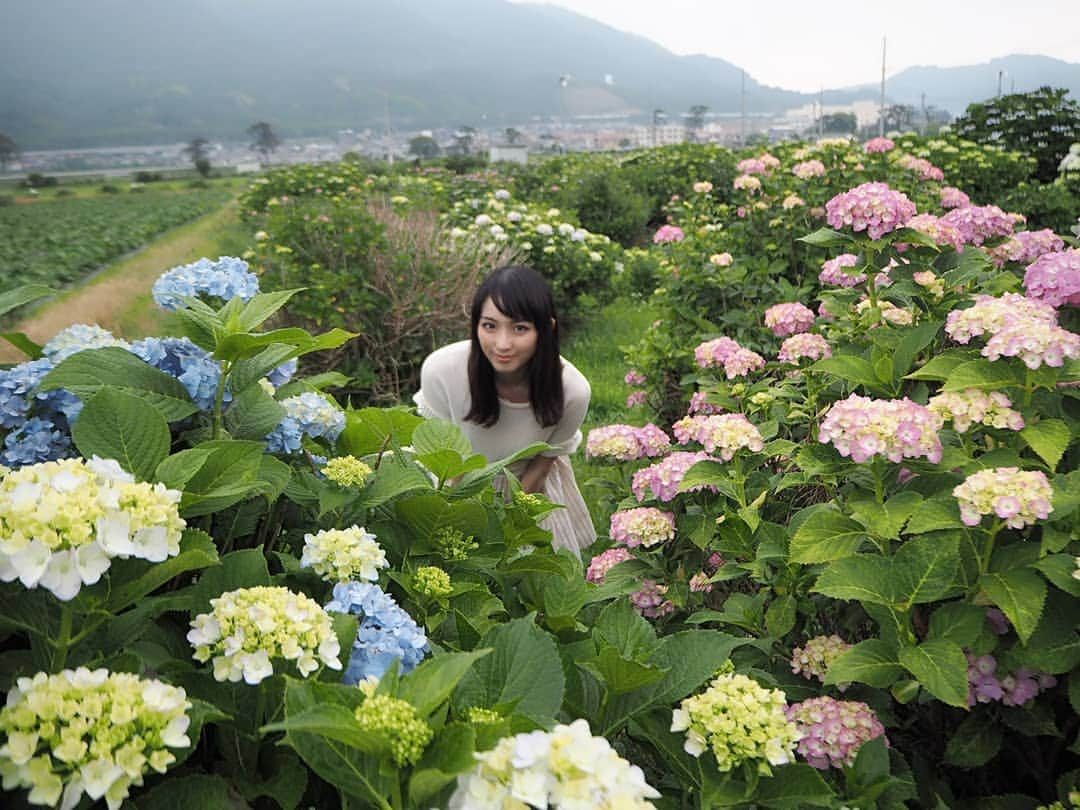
899, 117
1042, 123
198, 152
463, 140
423, 146
263, 139
9, 151
842, 123
512, 135
695, 122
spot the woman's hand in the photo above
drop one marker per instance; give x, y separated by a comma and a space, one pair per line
532, 480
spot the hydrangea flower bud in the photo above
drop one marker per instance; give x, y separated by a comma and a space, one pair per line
396, 723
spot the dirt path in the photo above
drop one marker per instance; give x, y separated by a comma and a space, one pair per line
118, 298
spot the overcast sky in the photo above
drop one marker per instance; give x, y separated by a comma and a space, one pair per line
810, 45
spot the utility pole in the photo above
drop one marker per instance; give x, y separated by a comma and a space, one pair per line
881, 113
821, 114
389, 136
742, 106
925, 115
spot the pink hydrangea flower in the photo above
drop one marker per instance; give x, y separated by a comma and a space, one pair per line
634, 377
954, 198
813, 659
941, 232
808, 169
924, 168
751, 166
976, 223
1035, 342
721, 259
879, 145
663, 478
972, 406
871, 207
724, 351
1019, 497
1025, 247
645, 526
699, 403
653, 441
789, 319
602, 563
649, 600
832, 271
831, 731
726, 432
796, 347
1016, 689
702, 187
668, 233
989, 315
1054, 277
636, 398
626, 443
861, 428
699, 583
747, 183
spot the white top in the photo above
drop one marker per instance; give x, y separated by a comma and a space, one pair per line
444, 393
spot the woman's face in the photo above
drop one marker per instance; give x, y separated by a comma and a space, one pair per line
508, 344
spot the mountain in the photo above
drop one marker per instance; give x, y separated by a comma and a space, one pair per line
111, 72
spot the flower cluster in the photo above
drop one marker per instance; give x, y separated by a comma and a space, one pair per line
668, 233
976, 223
307, 414
890, 313
626, 443
225, 279
739, 721
789, 319
699, 403
386, 631
249, 627
397, 725
645, 526
1018, 327
78, 337
871, 207
340, 555
759, 165
604, 562
792, 201
747, 183
832, 271
650, 600
1054, 277
985, 685
922, 167
192, 365
808, 169
634, 377
1019, 497
942, 232
1025, 247
39, 422
432, 582
724, 259
726, 432
453, 544
808, 345
347, 471
62, 523
723, 351
89, 732
813, 659
879, 145
831, 731
989, 315
702, 187
953, 198
862, 428
972, 406
565, 768
663, 478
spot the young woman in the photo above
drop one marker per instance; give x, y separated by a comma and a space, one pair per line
508, 387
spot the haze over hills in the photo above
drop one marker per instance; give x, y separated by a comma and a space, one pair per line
157, 71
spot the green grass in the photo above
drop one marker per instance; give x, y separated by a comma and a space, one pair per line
596, 347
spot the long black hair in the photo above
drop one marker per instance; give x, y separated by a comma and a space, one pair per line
518, 292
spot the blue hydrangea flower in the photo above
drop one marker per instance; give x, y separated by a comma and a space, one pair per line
193, 366
225, 279
77, 337
386, 632
16, 401
34, 441
306, 414
283, 373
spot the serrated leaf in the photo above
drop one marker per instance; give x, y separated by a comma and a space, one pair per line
940, 666
940, 366
864, 577
430, 685
134, 579
1049, 438
958, 622
13, 299
622, 674
850, 369
1059, 569
1020, 594
924, 568
262, 306
826, 535
126, 428
983, 375
253, 414
22, 342
794, 786
975, 742
935, 514
826, 237
434, 435
872, 662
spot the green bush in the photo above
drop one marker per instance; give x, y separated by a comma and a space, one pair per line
1046, 205
109, 188
606, 203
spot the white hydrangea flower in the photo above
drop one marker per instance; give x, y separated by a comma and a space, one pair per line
341, 555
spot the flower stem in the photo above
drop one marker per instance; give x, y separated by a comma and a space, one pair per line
219, 399
63, 641
988, 546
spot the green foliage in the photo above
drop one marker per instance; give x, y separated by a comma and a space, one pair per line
608, 204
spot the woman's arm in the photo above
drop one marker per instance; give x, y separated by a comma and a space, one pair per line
536, 473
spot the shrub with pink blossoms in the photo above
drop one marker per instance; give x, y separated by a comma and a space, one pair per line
879, 146
723, 351
810, 346
871, 207
814, 658
861, 428
808, 169
1025, 247
604, 562
1019, 497
954, 198
789, 319
645, 526
972, 406
726, 432
831, 731
662, 479
941, 232
924, 168
1054, 278
832, 271
650, 600
976, 223
668, 233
